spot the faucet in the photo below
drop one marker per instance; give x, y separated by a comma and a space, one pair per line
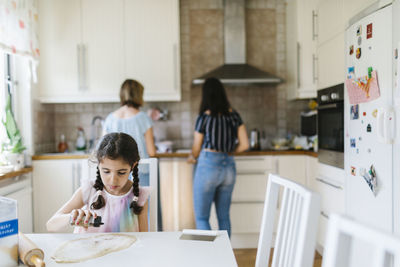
94, 131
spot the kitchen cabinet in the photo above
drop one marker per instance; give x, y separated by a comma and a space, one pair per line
330, 20
54, 182
301, 36
152, 47
248, 199
176, 194
353, 7
331, 69
292, 167
89, 47
329, 183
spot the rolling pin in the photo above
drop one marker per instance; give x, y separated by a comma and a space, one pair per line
29, 253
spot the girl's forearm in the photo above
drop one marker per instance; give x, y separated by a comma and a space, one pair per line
58, 223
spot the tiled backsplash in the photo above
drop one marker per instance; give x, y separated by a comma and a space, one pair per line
201, 22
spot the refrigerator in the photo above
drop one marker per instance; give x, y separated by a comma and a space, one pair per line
372, 101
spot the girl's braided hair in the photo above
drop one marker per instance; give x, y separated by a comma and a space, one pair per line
118, 146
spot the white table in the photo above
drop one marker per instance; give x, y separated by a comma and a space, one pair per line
151, 249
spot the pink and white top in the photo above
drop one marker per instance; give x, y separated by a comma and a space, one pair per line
116, 215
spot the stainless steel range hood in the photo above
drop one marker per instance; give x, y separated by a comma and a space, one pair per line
235, 71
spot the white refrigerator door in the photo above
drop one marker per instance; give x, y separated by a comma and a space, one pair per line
362, 148
396, 97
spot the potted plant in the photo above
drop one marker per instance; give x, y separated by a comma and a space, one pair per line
12, 148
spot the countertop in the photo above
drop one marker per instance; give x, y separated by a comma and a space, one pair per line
50, 156
15, 173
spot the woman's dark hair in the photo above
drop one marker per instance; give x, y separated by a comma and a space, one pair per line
214, 98
118, 146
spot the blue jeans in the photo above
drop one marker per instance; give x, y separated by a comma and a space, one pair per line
214, 179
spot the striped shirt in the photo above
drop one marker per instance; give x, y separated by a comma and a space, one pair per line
220, 132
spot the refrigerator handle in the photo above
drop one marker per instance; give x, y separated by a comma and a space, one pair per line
391, 126
380, 125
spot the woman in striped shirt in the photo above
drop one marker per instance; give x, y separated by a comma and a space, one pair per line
219, 132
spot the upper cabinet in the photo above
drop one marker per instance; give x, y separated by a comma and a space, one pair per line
301, 36
89, 47
152, 47
333, 18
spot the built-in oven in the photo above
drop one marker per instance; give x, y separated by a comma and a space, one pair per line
331, 126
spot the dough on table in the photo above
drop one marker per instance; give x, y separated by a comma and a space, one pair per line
82, 249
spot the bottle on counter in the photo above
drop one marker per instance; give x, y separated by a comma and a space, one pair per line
62, 146
81, 140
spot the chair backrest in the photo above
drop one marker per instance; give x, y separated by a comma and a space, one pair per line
343, 232
153, 174
297, 227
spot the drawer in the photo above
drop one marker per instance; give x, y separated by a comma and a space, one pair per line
255, 164
322, 229
246, 217
250, 187
332, 195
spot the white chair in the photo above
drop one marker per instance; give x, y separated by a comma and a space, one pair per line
297, 226
153, 173
343, 232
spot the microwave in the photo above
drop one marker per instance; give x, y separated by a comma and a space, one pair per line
308, 123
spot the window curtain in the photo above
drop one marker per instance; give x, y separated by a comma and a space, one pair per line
19, 28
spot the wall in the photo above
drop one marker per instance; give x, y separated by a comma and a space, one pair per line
261, 107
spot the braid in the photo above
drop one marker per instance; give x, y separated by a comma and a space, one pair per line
98, 185
135, 205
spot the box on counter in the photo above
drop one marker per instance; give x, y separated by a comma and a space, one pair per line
8, 232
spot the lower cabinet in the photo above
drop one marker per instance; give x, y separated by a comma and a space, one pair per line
329, 183
54, 182
176, 193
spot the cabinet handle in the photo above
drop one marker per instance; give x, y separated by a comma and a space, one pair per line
175, 55
314, 27
298, 64
328, 183
314, 68
78, 176
323, 214
84, 67
78, 49
73, 177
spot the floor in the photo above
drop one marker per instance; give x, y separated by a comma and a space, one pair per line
247, 257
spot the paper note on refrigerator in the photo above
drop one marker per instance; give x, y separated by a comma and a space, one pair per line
363, 89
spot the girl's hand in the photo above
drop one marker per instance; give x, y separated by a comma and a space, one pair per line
81, 217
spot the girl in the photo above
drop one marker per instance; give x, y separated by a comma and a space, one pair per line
129, 119
120, 202
219, 132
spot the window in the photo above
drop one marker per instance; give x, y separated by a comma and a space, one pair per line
6, 88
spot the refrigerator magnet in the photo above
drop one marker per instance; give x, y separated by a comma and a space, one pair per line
369, 128
396, 53
351, 50
352, 142
364, 113
358, 53
359, 30
354, 112
369, 31
350, 71
359, 39
374, 113
353, 171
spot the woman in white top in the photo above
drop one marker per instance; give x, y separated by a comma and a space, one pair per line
130, 120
